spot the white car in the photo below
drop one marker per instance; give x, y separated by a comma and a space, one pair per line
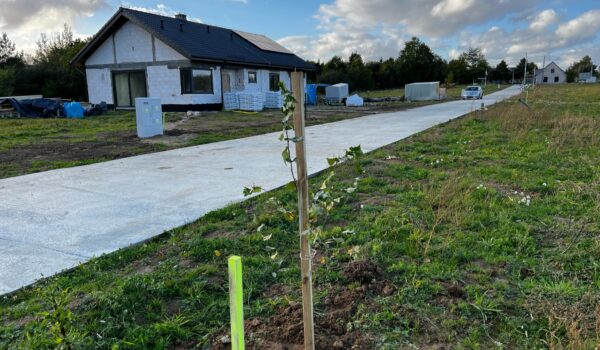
474, 92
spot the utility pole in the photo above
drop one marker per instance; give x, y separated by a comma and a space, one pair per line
525, 71
485, 81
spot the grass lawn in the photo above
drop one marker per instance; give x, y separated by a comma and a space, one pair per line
483, 233
33, 145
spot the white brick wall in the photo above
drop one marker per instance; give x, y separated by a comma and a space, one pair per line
99, 85
103, 55
262, 79
165, 53
133, 44
165, 84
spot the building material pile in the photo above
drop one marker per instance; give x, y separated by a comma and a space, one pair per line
231, 101
251, 101
273, 99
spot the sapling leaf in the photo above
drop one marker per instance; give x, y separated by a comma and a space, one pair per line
248, 191
286, 155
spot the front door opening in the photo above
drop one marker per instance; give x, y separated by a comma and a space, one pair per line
128, 86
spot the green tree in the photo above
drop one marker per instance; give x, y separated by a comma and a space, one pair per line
334, 71
583, 65
477, 65
7, 81
57, 78
9, 56
502, 72
359, 75
519, 69
459, 70
389, 74
418, 63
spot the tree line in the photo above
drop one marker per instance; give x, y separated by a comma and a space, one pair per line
48, 72
418, 63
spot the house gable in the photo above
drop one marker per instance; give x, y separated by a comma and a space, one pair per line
195, 41
132, 44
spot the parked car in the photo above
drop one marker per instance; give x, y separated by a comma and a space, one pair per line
474, 92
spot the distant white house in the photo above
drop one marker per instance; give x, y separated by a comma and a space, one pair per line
551, 74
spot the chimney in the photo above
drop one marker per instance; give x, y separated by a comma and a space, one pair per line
208, 29
181, 16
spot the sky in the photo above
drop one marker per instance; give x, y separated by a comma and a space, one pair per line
552, 30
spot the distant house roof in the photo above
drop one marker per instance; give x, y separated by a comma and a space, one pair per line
200, 42
541, 71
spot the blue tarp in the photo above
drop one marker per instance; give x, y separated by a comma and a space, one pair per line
37, 107
311, 93
74, 110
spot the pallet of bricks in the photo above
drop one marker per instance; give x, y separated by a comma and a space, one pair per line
251, 101
273, 99
231, 101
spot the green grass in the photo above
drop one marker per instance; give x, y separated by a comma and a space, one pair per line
23, 131
463, 260
33, 145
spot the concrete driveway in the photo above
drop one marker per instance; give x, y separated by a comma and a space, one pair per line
54, 220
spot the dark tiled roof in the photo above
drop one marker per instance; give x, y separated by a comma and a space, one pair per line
197, 41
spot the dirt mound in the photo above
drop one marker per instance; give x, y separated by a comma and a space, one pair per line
363, 271
333, 316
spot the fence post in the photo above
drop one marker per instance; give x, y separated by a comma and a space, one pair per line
302, 185
236, 303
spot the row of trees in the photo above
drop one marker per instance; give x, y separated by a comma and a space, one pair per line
417, 62
47, 71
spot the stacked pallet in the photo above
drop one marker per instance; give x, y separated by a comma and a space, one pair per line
231, 101
273, 99
251, 101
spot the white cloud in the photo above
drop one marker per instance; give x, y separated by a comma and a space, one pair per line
378, 28
544, 19
569, 42
25, 20
451, 7
383, 44
581, 28
432, 18
160, 9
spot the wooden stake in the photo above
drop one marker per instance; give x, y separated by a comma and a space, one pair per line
236, 303
302, 185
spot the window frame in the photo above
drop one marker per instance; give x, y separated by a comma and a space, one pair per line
255, 73
271, 74
192, 91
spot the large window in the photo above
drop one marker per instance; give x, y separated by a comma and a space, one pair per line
196, 81
273, 81
252, 77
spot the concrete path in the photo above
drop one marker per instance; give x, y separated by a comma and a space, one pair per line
57, 219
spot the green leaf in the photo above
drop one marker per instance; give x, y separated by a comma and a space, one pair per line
248, 191
286, 155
